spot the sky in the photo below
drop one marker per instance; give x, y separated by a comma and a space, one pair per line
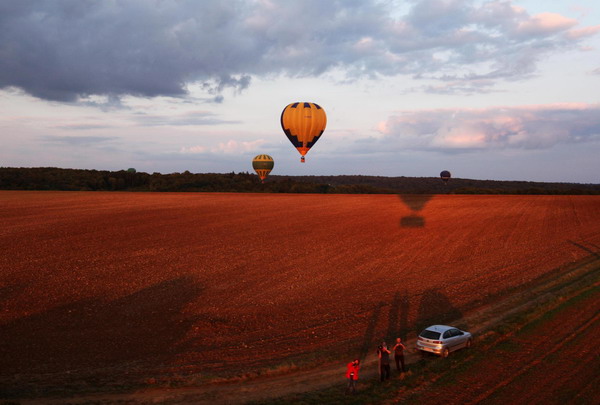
498, 90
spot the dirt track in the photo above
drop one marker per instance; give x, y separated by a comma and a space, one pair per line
120, 291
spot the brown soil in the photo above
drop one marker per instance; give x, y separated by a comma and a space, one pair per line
120, 292
551, 359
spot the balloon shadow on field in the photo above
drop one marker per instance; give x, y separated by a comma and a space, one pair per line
416, 202
412, 221
436, 309
91, 334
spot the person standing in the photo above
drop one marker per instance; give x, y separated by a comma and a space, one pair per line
352, 375
399, 354
384, 361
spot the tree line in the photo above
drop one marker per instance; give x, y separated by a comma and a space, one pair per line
52, 178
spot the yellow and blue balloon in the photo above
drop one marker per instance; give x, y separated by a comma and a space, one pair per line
262, 165
303, 124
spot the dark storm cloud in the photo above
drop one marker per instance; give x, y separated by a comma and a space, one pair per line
63, 50
527, 127
66, 50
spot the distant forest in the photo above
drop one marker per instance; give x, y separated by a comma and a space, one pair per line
51, 178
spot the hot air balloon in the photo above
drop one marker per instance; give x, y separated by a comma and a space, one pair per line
445, 175
263, 164
303, 124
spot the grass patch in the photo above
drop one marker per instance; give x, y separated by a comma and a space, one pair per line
572, 397
509, 346
552, 313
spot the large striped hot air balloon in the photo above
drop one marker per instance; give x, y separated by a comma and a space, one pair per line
303, 124
262, 165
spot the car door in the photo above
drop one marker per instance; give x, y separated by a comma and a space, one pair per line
448, 339
458, 338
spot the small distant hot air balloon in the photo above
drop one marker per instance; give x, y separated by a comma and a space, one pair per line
445, 175
263, 164
303, 124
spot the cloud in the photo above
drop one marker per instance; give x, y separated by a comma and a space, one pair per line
526, 127
583, 32
71, 50
194, 150
82, 127
79, 140
188, 118
545, 23
231, 147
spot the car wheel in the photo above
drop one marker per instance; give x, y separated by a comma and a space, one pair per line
445, 352
469, 343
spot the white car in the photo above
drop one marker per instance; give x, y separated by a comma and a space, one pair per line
443, 339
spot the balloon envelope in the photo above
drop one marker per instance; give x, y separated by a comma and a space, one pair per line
445, 175
262, 165
303, 124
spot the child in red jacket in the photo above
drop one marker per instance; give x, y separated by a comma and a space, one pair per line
352, 375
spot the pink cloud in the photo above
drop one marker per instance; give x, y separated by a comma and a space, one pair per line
229, 147
545, 23
193, 149
583, 32
235, 147
524, 127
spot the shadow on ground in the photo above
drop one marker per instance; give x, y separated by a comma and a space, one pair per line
416, 202
9, 291
145, 325
595, 251
434, 308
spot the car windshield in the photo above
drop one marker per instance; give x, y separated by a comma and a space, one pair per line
429, 334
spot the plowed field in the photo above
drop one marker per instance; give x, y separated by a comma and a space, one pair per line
110, 289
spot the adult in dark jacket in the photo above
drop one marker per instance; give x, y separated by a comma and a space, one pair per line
384, 361
399, 354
